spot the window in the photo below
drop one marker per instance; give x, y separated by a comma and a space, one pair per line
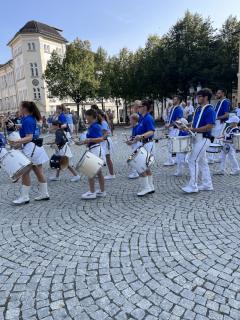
36, 93
31, 46
34, 69
46, 48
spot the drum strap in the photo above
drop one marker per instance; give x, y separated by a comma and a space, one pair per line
34, 148
95, 146
220, 106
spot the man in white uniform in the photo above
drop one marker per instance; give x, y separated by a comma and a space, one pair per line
203, 122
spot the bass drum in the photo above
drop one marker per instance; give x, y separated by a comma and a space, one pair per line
140, 160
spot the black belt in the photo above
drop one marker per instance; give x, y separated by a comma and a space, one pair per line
147, 140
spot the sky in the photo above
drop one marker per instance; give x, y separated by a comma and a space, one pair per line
112, 24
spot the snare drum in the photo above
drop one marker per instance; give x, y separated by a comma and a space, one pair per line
181, 144
90, 164
214, 148
140, 160
236, 141
14, 136
59, 162
15, 163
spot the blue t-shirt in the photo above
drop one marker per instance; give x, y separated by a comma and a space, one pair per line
225, 107
3, 141
94, 131
105, 127
146, 124
62, 118
29, 126
69, 118
176, 113
208, 117
134, 131
140, 117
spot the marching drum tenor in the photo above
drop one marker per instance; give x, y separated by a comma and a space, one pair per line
33, 149
203, 122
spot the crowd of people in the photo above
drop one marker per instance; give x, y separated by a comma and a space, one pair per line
204, 124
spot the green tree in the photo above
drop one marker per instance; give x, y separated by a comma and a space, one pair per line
73, 75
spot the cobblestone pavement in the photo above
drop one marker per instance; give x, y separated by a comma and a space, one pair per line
165, 256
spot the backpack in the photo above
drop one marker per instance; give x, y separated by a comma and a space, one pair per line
60, 138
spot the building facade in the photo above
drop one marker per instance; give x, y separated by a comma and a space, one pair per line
21, 77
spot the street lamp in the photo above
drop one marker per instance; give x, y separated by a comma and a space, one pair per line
99, 74
192, 92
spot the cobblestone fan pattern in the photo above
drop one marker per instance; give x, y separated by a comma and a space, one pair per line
164, 256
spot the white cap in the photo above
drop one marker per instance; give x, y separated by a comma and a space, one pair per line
233, 119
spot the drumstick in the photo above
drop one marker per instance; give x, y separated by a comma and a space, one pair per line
183, 125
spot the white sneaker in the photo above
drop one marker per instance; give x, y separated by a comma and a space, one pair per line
168, 164
110, 177
235, 173
144, 192
21, 200
205, 188
133, 175
75, 178
190, 189
101, 194
219, 172
89, 195
42, 197
54, 178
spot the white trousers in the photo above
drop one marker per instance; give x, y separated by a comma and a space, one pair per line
180, 159
197, 162
231, 156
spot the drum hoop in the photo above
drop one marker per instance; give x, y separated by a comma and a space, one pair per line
18, 174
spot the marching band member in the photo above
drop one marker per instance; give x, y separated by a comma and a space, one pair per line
203, 122
181, 156
134, 119
63, 149
107, 145
33, 149
222, 110
94, 138
176, 113
229, 149
145, 133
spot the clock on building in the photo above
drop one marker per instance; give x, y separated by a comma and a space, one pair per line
35, 82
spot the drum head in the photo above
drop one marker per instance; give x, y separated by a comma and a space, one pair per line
20, 172
64, 162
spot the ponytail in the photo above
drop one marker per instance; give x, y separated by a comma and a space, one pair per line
32, 108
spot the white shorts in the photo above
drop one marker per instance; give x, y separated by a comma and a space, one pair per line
39, 155
107, 146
